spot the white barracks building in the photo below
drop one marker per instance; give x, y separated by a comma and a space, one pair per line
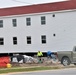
27, 29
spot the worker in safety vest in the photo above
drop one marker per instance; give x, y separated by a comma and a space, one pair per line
39, 54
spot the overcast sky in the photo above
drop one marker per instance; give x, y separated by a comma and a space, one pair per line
13, 3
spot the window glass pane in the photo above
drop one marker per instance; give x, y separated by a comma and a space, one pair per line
1, 23
43, 39
14, 40
1, 41
28, 21
28, 39
28, 42
43, 20
14, 22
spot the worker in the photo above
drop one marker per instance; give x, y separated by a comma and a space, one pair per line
39, 54
49, 54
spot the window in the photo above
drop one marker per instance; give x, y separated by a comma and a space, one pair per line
1, 23
43, 39
1, 41
28, 39
43, 20
14, 40
28, 21
14, 21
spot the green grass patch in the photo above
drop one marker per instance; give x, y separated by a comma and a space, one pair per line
9, 70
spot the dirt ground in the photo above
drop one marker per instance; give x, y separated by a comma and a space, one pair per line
35, 63
49, 63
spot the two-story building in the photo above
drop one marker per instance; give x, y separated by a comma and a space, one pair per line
28, 29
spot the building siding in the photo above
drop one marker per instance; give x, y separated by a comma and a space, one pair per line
62, 25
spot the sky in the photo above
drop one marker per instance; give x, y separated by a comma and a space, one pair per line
14, 3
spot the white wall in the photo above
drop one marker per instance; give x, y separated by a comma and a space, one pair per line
63, 25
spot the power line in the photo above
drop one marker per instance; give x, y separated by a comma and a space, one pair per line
23, 2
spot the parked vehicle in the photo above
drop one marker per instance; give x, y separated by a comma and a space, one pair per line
67, 57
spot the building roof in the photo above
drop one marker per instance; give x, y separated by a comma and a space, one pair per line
47, 7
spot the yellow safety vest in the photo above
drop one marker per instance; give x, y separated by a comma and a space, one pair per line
39, 54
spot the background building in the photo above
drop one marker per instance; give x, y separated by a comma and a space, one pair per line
43, 27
